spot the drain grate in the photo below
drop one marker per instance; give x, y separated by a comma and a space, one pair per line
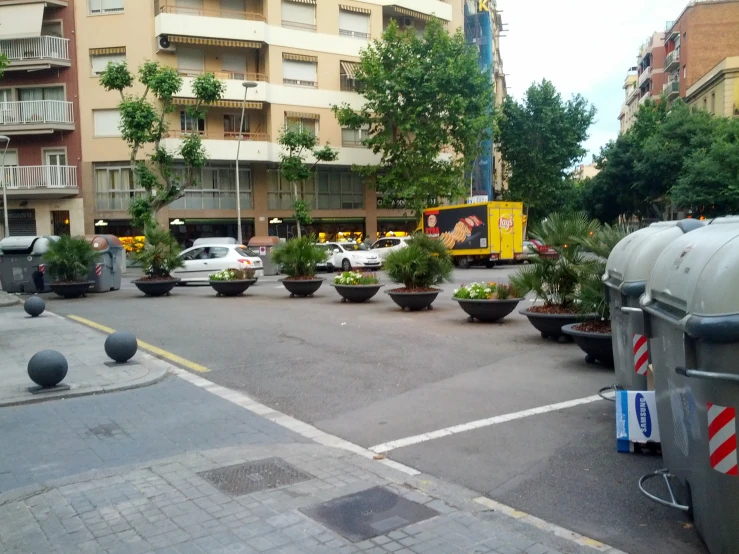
255, 476
367, 514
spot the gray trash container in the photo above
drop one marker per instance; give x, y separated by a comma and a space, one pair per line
626, 277
106, 272
263, 246
691, 316
22, 257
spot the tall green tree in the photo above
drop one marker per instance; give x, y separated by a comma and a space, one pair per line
296, 145
541, 138
144, 125
428, 107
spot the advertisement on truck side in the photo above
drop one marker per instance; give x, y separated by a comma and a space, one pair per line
463, 228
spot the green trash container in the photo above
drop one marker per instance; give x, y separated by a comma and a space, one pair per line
625, 279
20, 258
105, 273
691, 317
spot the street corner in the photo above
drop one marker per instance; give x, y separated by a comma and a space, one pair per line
71, 361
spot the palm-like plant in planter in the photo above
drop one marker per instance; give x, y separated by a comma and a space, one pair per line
555, 280
299, 258
593, 336
419, 267
68, 262
159, 256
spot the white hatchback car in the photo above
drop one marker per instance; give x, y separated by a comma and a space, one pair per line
383, 247
204, 259
351, 255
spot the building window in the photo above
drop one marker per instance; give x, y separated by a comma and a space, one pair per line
280, 191
107, 123
99, 62
347, 76
713, 102
299, 15
231, 125
685, 72
354, 137
339, 190
215, 189
51, 29
190, 61
114, 186
303, 123
354, 24
105, 6
301, 73
705, 104
190, 124
234, 65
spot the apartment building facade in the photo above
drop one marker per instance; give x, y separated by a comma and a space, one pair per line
300, 53
718, 90
650, 68
631, 100
39, 113
702, 36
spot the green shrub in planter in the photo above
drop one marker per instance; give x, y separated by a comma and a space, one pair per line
68, 259
299, 257
159, 256
423, 264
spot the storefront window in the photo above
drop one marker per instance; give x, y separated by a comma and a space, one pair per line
324, 230
328, 190
396, 227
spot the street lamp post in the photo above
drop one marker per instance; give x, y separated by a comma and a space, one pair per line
6, 231
247, 85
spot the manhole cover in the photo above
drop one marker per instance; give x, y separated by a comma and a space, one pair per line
368, 514
254, 476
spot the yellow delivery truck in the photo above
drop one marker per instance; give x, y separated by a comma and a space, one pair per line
478, 234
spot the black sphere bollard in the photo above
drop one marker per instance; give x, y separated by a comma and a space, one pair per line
121, 346
34, 306
47, 368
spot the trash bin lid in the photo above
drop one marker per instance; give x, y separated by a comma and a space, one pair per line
98, 242
26, 243
632, 259
113, 241
694, 279
263, 241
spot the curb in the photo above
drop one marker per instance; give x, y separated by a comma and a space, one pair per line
7, 300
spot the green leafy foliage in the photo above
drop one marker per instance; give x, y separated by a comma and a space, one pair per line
541, 138
232, 275
555, 280
486, 291
423, 94
144, 125
356, 278
424, 263
160, 254
296, 145
68, 259
299, 257
3, 64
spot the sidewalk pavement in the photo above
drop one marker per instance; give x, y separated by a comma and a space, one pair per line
7, 299
161, 470
21, 336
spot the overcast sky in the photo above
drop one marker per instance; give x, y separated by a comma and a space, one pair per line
582, 46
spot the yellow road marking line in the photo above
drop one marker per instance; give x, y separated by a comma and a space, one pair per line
159, 352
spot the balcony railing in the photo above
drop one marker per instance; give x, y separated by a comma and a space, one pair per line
347, 84
37, 48
36, 112
299, 83
673, 58
645, 75
40, 176
227, 75
298, 25
262, 137
169, 6
644, 98
354, 34
671, 89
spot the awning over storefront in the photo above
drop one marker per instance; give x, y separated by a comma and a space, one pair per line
215, 42
178, 101
349, 68
23, 21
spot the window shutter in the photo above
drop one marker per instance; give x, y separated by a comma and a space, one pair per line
106, 123
354, 23
190, 58
100, 62
298, 13
234, 63
299, 71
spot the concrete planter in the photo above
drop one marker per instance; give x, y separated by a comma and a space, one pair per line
301, 287
357, 293
71, 290
597, 346
487, 310
414, 301
550, 325
155, 288
232, 288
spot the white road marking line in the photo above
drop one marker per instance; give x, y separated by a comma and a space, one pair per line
453, 430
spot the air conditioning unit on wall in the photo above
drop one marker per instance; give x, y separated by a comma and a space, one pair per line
164, 46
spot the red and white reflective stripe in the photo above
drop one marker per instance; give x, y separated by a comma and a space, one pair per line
42, 269
99, 270
641, 354
722, 439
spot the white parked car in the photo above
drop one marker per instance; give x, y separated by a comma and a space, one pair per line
204, 259
383, 247
353, 255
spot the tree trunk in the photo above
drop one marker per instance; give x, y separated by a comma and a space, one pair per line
297, 217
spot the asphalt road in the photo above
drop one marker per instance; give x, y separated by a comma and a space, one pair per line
373, 374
